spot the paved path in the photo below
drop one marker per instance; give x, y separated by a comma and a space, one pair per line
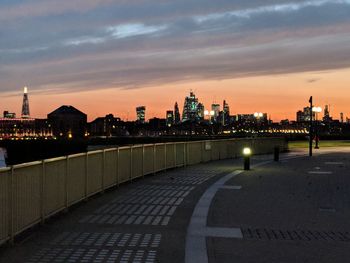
293, 211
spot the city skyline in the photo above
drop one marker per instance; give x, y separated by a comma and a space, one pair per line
111, 56
192, 103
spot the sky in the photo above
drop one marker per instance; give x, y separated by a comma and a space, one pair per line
109, 56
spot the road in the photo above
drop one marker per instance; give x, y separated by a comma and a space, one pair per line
296, 210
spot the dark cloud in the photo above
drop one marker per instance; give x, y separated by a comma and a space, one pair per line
132, 44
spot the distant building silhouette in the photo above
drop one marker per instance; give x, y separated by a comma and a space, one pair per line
67, 121
141, 114
9, 115
177, 117
225, 113
304, 116
105, 126
169, 118
25, 105
327, 115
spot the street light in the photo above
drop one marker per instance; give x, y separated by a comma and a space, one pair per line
247, 152
317, 110
209, 113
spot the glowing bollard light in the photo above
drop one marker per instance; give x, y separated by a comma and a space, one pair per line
247, 152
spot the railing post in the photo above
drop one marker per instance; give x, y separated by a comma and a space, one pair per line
103, 170
86, 175
66, 197
154, 159
11, 232
131, 151
175, 155
143, 160
185, 155
165, 159
42, 193
117, 170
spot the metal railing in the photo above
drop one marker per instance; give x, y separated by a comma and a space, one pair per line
32, 192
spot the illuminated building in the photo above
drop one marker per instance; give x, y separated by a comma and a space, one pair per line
190, 108
141, 114
225, 114
200, 112
25, 105
304, 116
216, 109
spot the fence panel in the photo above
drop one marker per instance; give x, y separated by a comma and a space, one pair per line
170, 155
54, 185
124, 164
4, 204
194, 154
180, 154
137, 162
160, 157
234, 148
95, 172
223, 144
76, 178
27, 195
206, 151
215, 150
148, 159
110, 168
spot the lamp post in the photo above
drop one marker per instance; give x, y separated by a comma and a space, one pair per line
310, 128
317, 110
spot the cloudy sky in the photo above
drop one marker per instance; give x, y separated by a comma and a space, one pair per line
109, 56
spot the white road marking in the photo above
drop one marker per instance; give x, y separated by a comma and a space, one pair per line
334, 163
196, 247
232, 187
319, 172
223, 232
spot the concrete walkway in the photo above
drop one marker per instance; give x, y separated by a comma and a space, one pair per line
290, 211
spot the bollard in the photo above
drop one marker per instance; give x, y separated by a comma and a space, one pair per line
277, 154
247, 152
246, 163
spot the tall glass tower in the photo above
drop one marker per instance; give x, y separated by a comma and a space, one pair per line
25, 105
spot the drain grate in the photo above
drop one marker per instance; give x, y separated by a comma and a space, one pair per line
294, 235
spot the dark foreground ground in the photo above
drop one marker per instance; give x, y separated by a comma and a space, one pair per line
297, 210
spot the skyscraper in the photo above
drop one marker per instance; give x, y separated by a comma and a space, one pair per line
25, 105
190, 108
177, 117
216, 109
225, 113
200, 112
141, 114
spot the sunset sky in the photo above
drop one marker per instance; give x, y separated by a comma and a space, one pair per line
109, 56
